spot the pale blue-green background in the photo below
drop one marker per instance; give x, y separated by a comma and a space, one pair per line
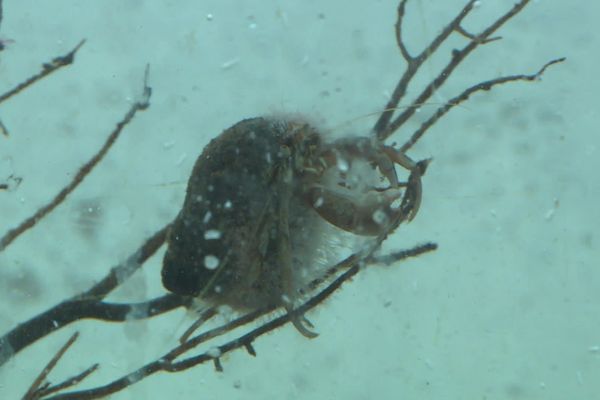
507, 308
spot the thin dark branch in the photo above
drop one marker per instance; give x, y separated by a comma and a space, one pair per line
3, 129
89, 305
41, 378
413, 64
120, 273
83, 172
471, 36
395, 257
457, 57
47, 69
167, 364
68, 382
464, 96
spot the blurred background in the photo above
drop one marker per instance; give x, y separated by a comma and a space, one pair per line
508, 307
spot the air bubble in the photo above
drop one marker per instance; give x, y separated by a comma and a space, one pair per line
211, 262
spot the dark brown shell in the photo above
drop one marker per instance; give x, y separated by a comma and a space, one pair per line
232, 191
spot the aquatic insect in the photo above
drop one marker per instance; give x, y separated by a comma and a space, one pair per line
255, 204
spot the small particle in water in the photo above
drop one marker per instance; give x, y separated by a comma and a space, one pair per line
209, 17
227, 205
230, 63
207, 217
211, 262
212, 234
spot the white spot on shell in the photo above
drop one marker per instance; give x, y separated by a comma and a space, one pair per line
318, 202
212, 234
379, 217
286, 299
342, 165
211, 262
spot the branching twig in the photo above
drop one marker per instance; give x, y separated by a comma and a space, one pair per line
47, 69
464, 96
40, 387
83, 172
89, 305
385, 126
167, 362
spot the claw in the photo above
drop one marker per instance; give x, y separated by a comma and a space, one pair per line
366, 215
299, 322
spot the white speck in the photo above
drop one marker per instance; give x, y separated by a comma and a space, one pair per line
477, 3
318, 202
230, 63
169, 144
379, 217
227, 205
218, 289
207, 217
211, 262
594, 349
212, 234
342, 165
285, 298
55, 323
428, 363
181, 159
252, 25
214, 352
209, 17
550, 213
